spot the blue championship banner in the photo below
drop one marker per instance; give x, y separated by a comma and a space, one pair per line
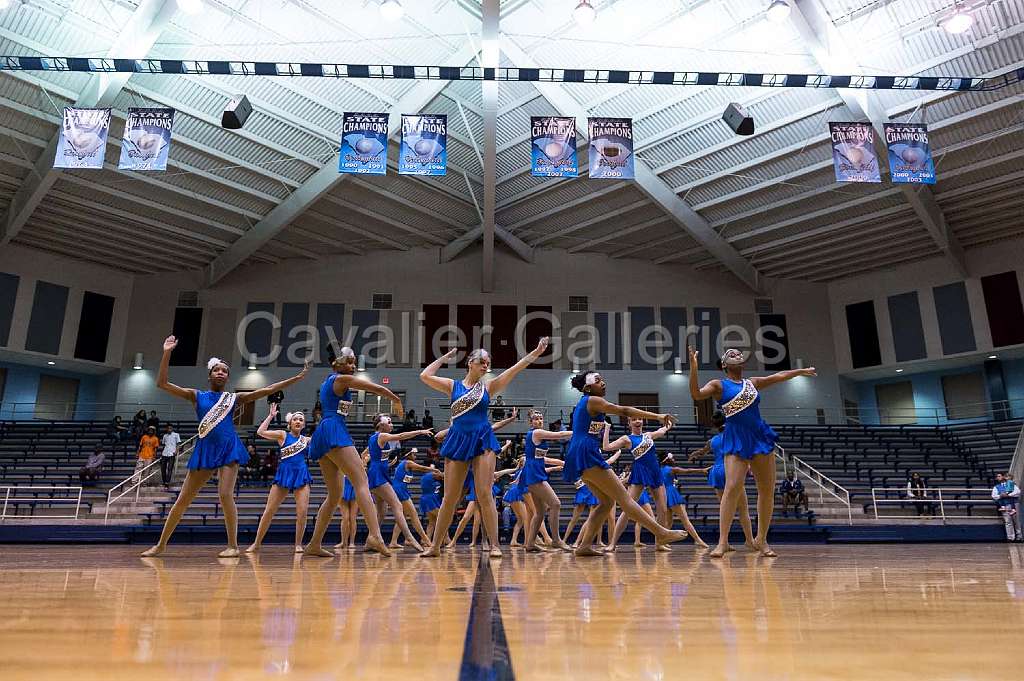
910, 156
83, 138
364, 144
611, 148
853, 152
553, 146
146, 139
424, 148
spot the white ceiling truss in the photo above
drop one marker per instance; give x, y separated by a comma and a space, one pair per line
765, 206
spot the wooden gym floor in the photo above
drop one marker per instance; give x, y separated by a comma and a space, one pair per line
817, 612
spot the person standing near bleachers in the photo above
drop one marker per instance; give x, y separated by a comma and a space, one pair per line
1006, 494
748, 442
147, 449
168, 453
218, 449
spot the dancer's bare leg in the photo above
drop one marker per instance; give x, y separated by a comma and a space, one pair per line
743, 510
332, 478
386, 494
194, 481
605, 480
455, 476
577, 511
483, 479
466, 517
679, 511
226, 477
590, 529
274, 498
620, 524
414, 517
301, 515
763, 467
735, 473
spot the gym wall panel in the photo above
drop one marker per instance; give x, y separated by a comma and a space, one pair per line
365, 342
47, 320
1004, 309
503, 339
8, 296
609, 339
293, 315
708, 321
641, 318
862, 329
330, 324
907, 329
435, 318
259, 333
539, 325
674, 321
775, 342
469, 319
94, 327
954, 316
187, 328
220, 334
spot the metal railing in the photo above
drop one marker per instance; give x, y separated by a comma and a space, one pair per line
16, 500
825, 484
937, 501
138, 479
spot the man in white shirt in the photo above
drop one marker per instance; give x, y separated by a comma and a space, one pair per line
1006, 494
168, 453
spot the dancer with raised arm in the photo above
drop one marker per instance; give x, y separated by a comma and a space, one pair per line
218, 449
535, 477
583, 459
716, 478
585, 500
332, 447
674, 500
748, 443
292, 475
470, 444
644, 476
382, 443
404, 476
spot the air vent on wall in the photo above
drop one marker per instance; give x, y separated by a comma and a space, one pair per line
763, 306
188, 299
381, 301
578, 304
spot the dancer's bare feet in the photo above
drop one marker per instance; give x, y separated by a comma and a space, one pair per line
252, 548
719, 551
515, 544
395, 545
317, 552
375, 545
414, 545
341, 545
587, 552
432, 552
765, 550
663, 547
730, 548
495, 552
298, 548
229, 552
153, 551
672, 536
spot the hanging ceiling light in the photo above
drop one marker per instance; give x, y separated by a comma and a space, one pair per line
190, 6
391, 10
957, 22
778, 11
4, 4
584, 14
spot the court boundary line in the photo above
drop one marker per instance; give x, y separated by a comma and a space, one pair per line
485, 654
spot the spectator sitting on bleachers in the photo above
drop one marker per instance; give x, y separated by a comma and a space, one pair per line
792, 492
269, 468
147, 449
90, 472
117, 431
153, 421
1006, 494
410, 419
916, 491
428, 420
139, 424
251, 470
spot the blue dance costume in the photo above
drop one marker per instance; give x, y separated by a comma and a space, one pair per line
218, 444
746, 434
430, 500
292, 471
645, 498
349, 492
672, 495
583, 494
516, 489
584, 450
716, 476
470, 434
377, 471
533, 472
400, 480
469, 487
332, 431
645, 469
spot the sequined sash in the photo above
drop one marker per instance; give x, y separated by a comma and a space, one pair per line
596, 427
225, 404
407, 478
645, 446
578, 484
467, 402
294, 448
539, 453
744, 398
344, 406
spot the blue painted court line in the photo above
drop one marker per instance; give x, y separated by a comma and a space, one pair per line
485, 655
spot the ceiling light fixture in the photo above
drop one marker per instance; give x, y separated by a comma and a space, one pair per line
252, 362
778, 11
391, 10
50, 362
899, 371
190, 6
958, 22
993, 356
584, 14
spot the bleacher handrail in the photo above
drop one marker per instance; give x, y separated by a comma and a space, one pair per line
17, 488
801, 467
136, 481
935, 499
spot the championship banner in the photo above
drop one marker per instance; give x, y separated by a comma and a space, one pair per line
553, 146
910, 156
853, 152
146, 140
364, 144
83, 138
424, 147
611, 148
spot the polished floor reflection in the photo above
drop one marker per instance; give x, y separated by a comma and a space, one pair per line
817, 612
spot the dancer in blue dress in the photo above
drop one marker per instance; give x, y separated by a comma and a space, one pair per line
674, 500
430, 499
292, 475
535, 477
716, 477
645, 473
472, 512
584, 501
747, 442
331, 446
349, 514
470, 442
218, 449
382, 444
583, 459
405, 475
